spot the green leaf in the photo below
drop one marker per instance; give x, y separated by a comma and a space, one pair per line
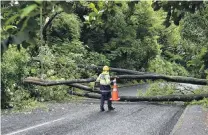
11, 19
92, 16
10, 27
33, 71
25, 24
26, 11
100, 4
91, 5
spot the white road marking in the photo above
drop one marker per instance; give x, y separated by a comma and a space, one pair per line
29, 128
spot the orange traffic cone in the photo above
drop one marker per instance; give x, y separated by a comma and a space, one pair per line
115, 93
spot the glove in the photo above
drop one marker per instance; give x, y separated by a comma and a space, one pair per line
97, 84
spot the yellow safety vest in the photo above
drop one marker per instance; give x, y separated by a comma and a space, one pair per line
104, 78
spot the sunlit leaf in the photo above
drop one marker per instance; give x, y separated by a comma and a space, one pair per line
26, 11
11, 19
92, 6
10, 27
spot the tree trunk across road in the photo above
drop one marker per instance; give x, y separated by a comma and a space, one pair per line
179, 79
136, 75
135, 98
38, 81
185, 98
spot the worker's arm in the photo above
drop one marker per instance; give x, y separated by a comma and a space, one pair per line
97, 82
98, 79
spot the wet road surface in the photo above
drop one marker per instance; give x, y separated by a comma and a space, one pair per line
84, 118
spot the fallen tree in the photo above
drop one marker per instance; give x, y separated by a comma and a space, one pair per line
86, 88
38, 81
179, 79
186, 98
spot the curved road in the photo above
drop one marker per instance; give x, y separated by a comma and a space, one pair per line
84, 118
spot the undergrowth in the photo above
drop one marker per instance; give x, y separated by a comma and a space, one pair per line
164, 89
203, 102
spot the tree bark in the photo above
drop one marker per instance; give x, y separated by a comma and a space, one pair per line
37, 81
85, 88
179, 79
40, 82
186, 98
120, 70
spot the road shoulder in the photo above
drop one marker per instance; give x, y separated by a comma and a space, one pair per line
193, 121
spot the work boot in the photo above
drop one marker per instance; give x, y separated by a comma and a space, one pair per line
102, 110
111, 108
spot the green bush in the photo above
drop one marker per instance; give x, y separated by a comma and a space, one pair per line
13, 69
162, 66
55, 93
203, 102
159, 89
61, 63
66, 26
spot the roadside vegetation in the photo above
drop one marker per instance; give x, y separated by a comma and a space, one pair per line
49, 40
163, 89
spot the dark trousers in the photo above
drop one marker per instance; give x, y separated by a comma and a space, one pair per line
105, 96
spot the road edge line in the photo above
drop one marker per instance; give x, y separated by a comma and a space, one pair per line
179, 122
33, 127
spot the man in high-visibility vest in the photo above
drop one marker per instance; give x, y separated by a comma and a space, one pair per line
105, 88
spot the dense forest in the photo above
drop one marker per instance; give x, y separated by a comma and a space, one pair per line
50, 39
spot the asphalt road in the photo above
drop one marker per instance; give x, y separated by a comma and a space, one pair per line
84, 118
133, 90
